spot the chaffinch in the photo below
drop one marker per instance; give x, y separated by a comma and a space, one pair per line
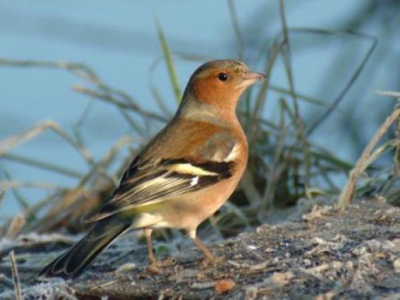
182, 177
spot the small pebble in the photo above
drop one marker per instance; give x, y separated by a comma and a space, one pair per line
396, 265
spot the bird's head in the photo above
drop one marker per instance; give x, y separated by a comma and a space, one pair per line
220, 83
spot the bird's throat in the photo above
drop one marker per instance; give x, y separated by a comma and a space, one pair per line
199, 110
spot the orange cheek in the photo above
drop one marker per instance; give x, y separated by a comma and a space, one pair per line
205, 89
210, 91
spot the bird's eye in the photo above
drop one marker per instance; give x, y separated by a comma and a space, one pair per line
223, 76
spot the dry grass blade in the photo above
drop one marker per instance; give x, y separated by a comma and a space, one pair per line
114, 150
355, 75
15, 184
249, 188
298, 121
324, 155
277, 167
14, 271
17, 223
83, 72
168, 112
262, 95
349, 189
238, 213
43, 165
30, 212
73, 203
20, 199
10, 143
300, 96
388, 93
287, 57
77, 69
154, 91
386, 147
118, 103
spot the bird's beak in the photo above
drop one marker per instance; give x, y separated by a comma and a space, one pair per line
250, 78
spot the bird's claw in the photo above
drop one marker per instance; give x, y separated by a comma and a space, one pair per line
153, 269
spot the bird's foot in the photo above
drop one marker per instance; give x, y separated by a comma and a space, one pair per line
153, 269
167, 262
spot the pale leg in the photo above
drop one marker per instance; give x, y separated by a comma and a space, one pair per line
152, 257
207, 253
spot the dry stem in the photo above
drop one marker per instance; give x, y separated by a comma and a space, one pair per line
349, 189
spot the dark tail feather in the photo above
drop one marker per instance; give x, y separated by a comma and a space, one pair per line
77, 259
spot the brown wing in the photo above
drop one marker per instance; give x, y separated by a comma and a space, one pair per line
150, 181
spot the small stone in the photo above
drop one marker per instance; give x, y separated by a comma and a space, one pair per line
359, 251
393, 210
280, 279
224, 285
202, 285
126, 268
252, 247
396, 265
318, 241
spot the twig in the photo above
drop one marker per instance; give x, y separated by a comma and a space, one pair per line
14, 271
349, 189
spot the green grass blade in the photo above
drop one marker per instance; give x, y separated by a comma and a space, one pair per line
169, 62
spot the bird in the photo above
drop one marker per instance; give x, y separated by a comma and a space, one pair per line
181, 177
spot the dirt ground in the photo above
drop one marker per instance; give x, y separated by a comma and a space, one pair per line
328, 254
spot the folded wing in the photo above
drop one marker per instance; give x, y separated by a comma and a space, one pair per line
150, 182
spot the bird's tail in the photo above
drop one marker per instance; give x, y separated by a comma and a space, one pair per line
77, 259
